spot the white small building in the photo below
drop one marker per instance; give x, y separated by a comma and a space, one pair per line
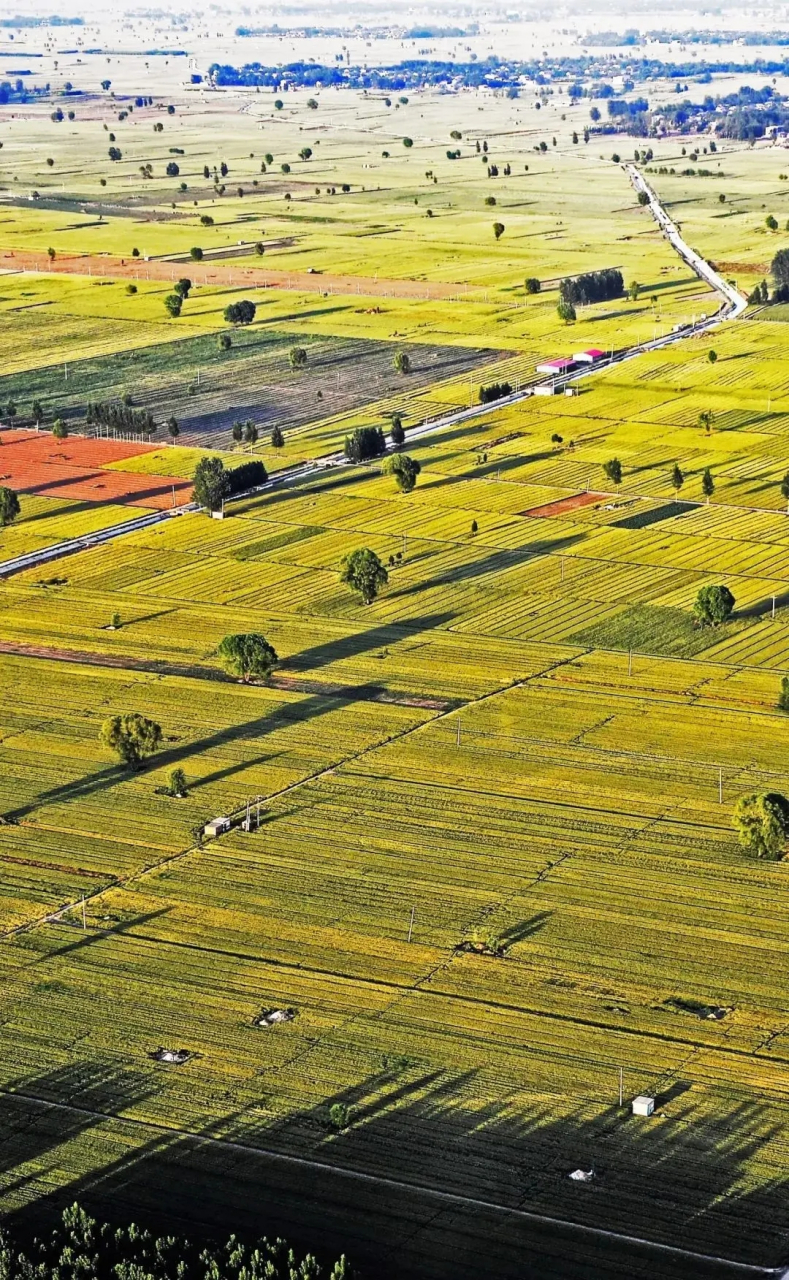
643, 1106
216, 827
545, 389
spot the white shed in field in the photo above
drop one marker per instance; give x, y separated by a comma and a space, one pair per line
643, 1106
217, 826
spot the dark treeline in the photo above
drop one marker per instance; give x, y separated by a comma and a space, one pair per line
595, 286
493, 72
120, 417
247, 475
80, 1248
366, 442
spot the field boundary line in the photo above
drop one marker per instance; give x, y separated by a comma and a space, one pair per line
399, 1184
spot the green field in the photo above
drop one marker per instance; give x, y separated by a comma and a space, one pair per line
526, 737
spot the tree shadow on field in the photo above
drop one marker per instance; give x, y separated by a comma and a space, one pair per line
422, 1174
289, 714
763, 608
525, 929
344, 647
497, 562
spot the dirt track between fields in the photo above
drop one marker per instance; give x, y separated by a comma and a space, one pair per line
285, 684
213, 273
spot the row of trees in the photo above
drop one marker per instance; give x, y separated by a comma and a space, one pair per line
213, 483
119, 417
81, 1248
593, 286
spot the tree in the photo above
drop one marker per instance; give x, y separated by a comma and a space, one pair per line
566, 311
131, 737
706, 419
211, 483
363, 572
172, 170
238, 432
176, 784
533, 284
713, 605
408, 142
613, 470
277, 438
115, 153
173, 303
59, 429
37, 412
51, 254
260, 248
785, 487
250, 432
9, 506
707, 484
594, 114
633, 291
182, 287
242, 312
173, 427
312, 104
643, 198
224, 342
783, 696
712, 356
249, 656
397, 433
365, 443
404, 469
771, 223
761, 821
677, 478
780, 268
305, 153
196, 253
297, 357
498, 229
402, 362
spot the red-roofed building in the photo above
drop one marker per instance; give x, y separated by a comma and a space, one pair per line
588, 357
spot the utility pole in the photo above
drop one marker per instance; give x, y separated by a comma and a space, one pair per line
621, 1086
720, 786
411, 925
84, 922
630, 662
458, 728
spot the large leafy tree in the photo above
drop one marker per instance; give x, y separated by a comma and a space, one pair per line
211, 483
762, 821
242, 312
780, 269
713, 605
404, 469
363, 572
248, 655
131, 737
9, 506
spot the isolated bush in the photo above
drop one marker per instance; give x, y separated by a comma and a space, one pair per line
297, 357
402, 362
404, 469
248, 655
242, 312
59, 429
533, 285
713, 605
173, 303
613, 470
363, 572
762, 820
131, 737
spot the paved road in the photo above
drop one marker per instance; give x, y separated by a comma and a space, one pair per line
733, 304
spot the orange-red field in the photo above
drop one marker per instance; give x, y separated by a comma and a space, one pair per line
35, 462
564, 505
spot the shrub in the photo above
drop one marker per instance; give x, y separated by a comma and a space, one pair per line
762, 821
713, 605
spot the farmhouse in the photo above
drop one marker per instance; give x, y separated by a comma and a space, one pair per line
563, 365
588, 357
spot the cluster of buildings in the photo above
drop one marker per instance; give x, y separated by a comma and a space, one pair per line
566, 364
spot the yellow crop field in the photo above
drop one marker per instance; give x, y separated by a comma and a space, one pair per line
476, 883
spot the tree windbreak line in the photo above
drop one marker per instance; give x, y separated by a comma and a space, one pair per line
213, 482
120, 417
81, 1248
594, 286
365, 443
